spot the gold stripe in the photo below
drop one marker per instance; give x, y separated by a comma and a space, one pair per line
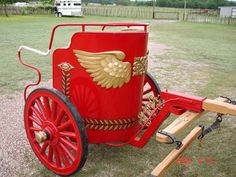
121, 124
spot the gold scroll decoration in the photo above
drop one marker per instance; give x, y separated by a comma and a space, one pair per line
106, 68
65, 69
140, 65
109, 124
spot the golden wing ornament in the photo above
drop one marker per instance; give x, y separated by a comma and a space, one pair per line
106, 68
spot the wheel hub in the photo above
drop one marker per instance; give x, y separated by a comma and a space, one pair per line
41, 136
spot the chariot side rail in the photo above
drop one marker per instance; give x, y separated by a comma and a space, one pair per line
83, 29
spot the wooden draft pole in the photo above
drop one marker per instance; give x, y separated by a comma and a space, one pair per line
162, 168
178, 125
218, 105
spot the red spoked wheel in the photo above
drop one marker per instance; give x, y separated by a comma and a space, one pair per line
151, 88
55, 131
150, 99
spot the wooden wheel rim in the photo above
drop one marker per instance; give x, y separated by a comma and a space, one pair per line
65, 151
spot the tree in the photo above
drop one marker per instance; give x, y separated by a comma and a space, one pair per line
44, 2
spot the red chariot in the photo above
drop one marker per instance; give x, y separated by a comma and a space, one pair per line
102, 93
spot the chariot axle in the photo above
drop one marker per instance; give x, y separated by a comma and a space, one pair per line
41, 136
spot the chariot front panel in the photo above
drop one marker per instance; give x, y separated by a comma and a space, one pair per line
103, 74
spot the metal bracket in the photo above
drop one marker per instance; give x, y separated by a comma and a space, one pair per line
215, 125
173, 139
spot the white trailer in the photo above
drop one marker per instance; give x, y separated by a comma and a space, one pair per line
228, 11
68, 8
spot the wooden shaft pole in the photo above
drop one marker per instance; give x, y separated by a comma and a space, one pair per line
187, 118
162, 167
219, 107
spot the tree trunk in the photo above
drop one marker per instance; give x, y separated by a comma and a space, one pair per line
5, 9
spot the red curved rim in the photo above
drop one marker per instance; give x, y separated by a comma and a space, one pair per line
62, 152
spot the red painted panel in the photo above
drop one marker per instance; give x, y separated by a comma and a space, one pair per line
96, 102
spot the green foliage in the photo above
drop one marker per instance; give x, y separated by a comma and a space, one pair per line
199, 4
46, 2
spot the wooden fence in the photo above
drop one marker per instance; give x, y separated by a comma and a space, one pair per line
166, 15
118, 11
131, 11
210, 19
12, 10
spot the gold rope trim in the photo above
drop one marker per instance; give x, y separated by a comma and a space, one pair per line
118, 124
147, 110
65, 69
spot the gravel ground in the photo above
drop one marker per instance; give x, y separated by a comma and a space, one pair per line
16, 156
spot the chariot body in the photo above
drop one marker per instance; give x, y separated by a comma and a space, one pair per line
102, 93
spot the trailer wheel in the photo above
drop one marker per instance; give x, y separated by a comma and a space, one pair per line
59, 14
55, 131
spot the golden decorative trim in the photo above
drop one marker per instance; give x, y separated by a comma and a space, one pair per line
144, 115
140, 65
65, 69
116, 124
106, 68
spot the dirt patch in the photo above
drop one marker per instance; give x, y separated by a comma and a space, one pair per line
16, 155
176, 73
158, 49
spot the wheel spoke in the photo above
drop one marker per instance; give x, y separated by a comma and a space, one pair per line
37, 113
47, 106
59, 117
145, 99
44, 147
63, 156
68, 143
36, 120
35, 129
67, 151
54, 110
147, 91
57, 158
68, 134
41, 108
50, 153
64, 125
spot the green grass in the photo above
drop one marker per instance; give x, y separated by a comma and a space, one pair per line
33, 31
202, 61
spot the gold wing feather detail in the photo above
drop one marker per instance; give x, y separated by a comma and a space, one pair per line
106, 68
